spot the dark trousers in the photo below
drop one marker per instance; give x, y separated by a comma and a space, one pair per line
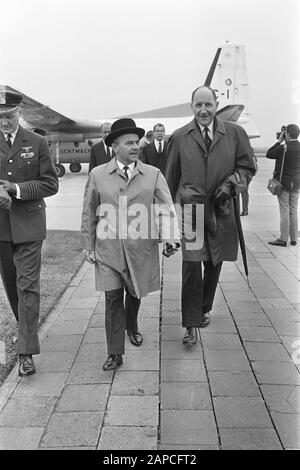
198, 292
245, 200
20, 272
119, 317
9, 275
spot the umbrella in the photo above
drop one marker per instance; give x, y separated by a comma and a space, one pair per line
240, 234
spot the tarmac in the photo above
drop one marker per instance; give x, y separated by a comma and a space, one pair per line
237, 388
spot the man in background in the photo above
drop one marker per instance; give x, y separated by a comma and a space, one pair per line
245, 192
149, 137
287, 147
100, 152
155, 153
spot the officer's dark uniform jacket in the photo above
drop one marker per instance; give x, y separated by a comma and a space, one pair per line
29, 164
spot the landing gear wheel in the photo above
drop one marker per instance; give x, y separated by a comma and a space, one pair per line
75, 167
60, 170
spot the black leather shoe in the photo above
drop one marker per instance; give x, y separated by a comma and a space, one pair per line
113, 361
293, 243
135, 338
278, 242
26, 365
205, 320
190, 336
244, 213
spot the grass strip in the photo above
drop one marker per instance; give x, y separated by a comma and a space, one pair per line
61, 259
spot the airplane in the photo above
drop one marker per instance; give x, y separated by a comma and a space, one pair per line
70, 140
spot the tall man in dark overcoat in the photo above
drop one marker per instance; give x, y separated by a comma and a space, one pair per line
27, 175
208, 159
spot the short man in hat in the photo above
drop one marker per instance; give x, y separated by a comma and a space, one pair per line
27, 175
120, 236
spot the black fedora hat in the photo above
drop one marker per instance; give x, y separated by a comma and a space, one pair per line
123, 126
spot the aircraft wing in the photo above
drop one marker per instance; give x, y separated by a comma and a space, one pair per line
179, 110
54, 125
231, 112
38, 115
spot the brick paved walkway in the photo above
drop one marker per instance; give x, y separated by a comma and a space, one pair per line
238, 388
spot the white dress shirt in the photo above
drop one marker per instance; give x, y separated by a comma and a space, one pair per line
157, 142
130, 168
105, 148
12, 139
13, 136
210, 130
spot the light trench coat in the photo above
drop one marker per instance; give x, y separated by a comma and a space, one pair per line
120, 224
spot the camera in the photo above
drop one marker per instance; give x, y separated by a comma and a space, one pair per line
170, 248
283, 128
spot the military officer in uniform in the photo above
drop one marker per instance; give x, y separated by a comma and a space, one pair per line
27, 175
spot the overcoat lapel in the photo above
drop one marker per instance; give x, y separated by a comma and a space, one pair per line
219, 131
137, 169
196, 134
113, 166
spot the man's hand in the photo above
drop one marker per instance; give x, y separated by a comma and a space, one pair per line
170, 248
89, 256
282, 136
223, 192
8, 186
232, 184
5, 199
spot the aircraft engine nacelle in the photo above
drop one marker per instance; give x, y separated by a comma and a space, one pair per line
72, 153
66, 138
39, 131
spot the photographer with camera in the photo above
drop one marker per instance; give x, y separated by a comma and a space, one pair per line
286, 152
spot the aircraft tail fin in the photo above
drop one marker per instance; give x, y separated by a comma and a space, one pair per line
230, 79
228, 76
231, 112
212, 68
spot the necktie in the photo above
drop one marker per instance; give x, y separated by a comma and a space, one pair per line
8, 141
108, 151
207, 139
159, 148
125, 169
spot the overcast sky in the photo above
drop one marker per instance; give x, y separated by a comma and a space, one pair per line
96, 58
